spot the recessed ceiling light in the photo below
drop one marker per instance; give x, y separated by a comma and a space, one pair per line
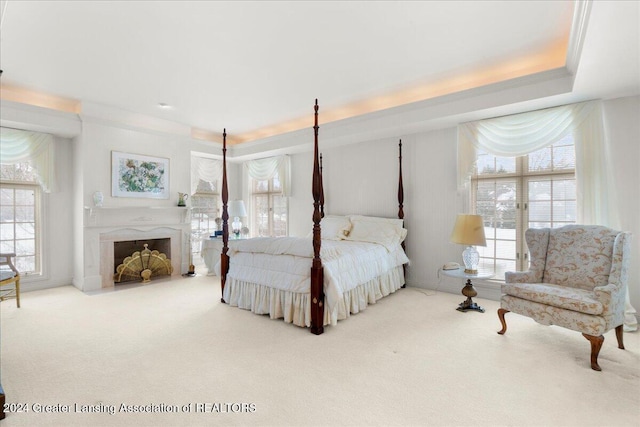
164, 106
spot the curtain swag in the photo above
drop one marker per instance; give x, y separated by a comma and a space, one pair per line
34, 147
520, 134
205, 169
264, 169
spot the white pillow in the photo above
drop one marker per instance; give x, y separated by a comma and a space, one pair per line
385, 231
334, 227
397, 221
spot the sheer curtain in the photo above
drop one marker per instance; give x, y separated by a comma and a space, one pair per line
205, 169
18, 146
520, 134
264, 169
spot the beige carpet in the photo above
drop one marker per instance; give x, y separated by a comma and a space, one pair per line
410, 359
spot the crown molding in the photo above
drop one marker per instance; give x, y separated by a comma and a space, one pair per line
582, 11
103, 114
93, 113
444, 111
39, 119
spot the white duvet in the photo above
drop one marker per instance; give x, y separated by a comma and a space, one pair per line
285, 263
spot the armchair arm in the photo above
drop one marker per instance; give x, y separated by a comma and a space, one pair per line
612, 297
521, 277
5, 259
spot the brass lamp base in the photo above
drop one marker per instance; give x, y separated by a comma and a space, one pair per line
192, 270
469, 291
468, 271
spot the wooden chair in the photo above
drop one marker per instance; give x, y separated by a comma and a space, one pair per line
577, 279
9, 279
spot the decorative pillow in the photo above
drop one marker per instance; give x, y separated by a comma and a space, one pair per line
385, 231
334, 227
397, 221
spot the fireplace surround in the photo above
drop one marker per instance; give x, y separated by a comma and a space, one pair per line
104, 226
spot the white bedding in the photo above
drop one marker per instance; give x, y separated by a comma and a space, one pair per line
281, 267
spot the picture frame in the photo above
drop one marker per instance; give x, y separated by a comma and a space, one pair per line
137, 175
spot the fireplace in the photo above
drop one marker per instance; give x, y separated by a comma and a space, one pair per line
105, 226
171, 237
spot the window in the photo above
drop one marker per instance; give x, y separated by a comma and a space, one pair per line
20, 223
205, 209
513, 194
205, 198
270, 208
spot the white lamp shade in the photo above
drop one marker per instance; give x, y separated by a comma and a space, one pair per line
236, 208
469, 230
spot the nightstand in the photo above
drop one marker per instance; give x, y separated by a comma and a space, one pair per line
468, 291
210, 251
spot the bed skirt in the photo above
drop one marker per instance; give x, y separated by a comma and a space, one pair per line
296, 307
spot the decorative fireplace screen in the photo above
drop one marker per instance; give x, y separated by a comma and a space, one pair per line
143, 265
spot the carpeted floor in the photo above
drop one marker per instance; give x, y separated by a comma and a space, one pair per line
170, 354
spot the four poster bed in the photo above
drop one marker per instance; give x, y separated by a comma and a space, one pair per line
350, 262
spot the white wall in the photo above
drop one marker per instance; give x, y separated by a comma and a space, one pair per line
57, 241
622, 126
77, 211
101, 140
350, 187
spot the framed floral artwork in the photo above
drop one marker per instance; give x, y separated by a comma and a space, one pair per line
135, 175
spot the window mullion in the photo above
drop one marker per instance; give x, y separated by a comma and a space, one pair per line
523, 196
270, 210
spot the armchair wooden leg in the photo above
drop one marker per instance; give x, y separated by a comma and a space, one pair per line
18, 292
596, 344
501, 313
619, 330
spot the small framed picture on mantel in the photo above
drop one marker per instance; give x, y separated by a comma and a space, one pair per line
136, 175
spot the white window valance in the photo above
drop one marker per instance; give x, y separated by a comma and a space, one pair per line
264, 169
17, 146
521, 134
205, 169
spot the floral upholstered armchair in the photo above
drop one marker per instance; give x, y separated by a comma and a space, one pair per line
577, 279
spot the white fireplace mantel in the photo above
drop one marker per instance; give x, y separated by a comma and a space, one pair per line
135, 215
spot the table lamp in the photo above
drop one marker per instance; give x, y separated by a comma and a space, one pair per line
237, 210
469, 230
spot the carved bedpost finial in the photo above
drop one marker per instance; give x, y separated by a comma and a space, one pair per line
321, 190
